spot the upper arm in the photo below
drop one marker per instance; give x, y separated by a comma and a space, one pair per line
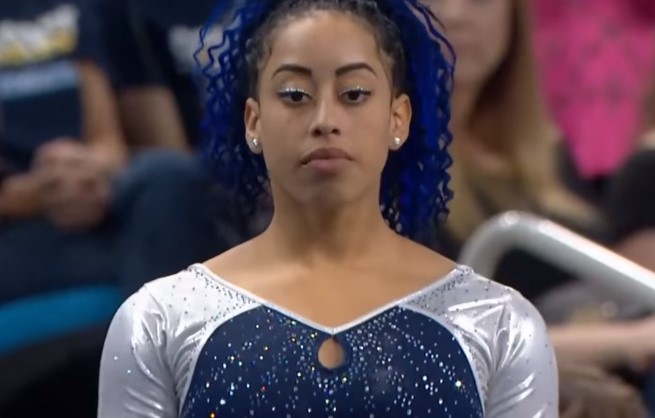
152, 118
147, 108
101, 121
102, 129
525, 381
135, 381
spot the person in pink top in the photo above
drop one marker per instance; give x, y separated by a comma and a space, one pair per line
597, 59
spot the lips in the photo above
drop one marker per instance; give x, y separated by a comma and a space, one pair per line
325, 154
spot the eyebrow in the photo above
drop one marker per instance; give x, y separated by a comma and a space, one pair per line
299, 69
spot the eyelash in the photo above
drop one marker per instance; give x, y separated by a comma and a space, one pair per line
362, 91
289, 92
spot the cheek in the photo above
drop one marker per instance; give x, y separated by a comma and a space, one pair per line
492, 45
281, 133
376, 136
277, 160
274, 118
279, 128
497, 32
497, 35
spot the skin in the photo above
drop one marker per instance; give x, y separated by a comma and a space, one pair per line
479, 31
588, 392
152, 118
69, 182
327, 255
647, 140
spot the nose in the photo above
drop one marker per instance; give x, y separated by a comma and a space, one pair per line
325, 121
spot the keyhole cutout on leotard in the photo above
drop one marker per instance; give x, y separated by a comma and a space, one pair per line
331, 354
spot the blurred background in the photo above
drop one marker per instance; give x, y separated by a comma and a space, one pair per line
101, 189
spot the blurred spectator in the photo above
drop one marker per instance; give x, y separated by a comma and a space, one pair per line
76, 210
159, 81
587, 392
161, 103
61, 144
629, 202
630, 205
73, 201
506, 149
598, 58
507, 156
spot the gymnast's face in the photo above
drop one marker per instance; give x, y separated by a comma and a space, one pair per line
325, 116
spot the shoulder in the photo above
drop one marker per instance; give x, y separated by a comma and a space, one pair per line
164, 323
495, 293
505, 338
505, 333
191, 291
191, 298
144, 354
468, 291
506, 310
158, 301
525, 366
169, 288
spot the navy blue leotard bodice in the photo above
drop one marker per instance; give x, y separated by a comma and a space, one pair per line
194, 346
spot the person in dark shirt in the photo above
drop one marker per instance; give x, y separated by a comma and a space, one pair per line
75, 207
78, 209
160, 92
61, 144
161, 102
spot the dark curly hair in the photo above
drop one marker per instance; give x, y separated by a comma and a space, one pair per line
414, 191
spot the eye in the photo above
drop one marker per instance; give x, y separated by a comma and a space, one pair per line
356, 95
293, 95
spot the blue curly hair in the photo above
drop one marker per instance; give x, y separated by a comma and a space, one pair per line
414, 190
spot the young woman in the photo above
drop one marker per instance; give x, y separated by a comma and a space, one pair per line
332, 311
507, 151
508, 156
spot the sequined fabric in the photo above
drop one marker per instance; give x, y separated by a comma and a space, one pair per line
192, 345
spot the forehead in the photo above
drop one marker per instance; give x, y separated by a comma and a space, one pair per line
325, 39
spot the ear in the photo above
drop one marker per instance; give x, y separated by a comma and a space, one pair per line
401, 116
252, 120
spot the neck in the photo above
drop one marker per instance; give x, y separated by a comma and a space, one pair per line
317, 234
463, 106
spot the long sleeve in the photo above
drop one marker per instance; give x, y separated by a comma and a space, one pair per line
135, 380
525, 381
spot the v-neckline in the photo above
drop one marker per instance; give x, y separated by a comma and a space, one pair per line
457, 271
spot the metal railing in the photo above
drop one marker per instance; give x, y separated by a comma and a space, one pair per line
561, 247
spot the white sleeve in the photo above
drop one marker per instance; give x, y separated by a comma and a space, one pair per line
135, 381
525, 381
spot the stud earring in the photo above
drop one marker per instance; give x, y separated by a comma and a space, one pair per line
255, 143
396, 142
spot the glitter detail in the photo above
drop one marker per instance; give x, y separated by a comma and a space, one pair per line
443, 303
398, 364
194, 344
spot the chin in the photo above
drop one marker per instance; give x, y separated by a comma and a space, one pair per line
468, 77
